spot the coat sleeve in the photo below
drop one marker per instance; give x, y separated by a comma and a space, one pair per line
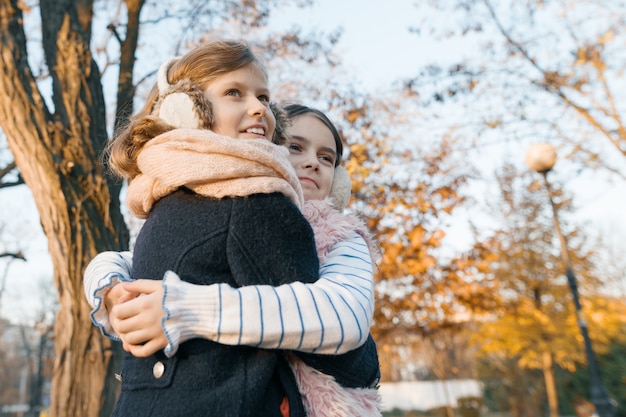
270, 242
358, 368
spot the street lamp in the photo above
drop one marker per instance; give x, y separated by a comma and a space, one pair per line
541, 157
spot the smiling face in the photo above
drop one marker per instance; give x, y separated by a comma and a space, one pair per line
240, 101
312, 153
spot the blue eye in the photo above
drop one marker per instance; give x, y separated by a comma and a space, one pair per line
264, 98
234, 93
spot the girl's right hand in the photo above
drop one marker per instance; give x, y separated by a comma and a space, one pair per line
137, 315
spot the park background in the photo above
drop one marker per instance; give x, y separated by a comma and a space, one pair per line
438, 102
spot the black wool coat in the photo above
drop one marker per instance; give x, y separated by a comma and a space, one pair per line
259, 239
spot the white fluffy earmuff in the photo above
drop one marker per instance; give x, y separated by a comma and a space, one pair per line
182, 104
341, 188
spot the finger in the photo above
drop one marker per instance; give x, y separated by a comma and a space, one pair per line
112, 296
136, 305
141, 336
148, 348
146, 286
126, 323
139, 324
121, 312
127, 296
127, 347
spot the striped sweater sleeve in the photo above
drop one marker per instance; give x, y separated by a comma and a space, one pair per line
102, 273
330, 316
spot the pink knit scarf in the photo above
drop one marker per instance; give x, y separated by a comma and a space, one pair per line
210, 165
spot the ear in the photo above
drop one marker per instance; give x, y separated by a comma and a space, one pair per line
183, 104
341, 189
178, 110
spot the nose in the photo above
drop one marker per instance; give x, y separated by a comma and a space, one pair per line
311, 161
257, 107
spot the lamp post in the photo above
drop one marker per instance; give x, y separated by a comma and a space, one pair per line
541, 157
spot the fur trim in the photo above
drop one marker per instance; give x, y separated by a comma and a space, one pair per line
341, 188
331, 226
182, 104
324, 397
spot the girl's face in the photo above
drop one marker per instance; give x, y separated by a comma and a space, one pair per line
312, 153
240, 101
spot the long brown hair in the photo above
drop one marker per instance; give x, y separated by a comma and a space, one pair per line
201, 66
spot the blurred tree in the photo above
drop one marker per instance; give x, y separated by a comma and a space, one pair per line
534, 69
12, 362
449, 353
535, 324
408, 187
24, 361
449, 357
509, 389
574, 387
527, 71
37, 345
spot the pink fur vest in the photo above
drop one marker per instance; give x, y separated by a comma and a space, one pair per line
321, 394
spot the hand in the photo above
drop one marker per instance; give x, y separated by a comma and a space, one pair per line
136, 318
116, 295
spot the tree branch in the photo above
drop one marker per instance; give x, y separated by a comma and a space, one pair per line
5, 171
14, 255
8, 184
10, 167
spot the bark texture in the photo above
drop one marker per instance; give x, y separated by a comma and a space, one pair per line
57, 147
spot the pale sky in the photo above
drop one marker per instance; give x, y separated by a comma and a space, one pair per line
375, 37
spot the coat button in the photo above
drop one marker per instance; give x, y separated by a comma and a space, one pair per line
158, 370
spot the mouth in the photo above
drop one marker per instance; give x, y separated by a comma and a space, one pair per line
307, 180
257, 131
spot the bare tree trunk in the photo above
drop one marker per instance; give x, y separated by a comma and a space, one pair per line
58, 156
548, 375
